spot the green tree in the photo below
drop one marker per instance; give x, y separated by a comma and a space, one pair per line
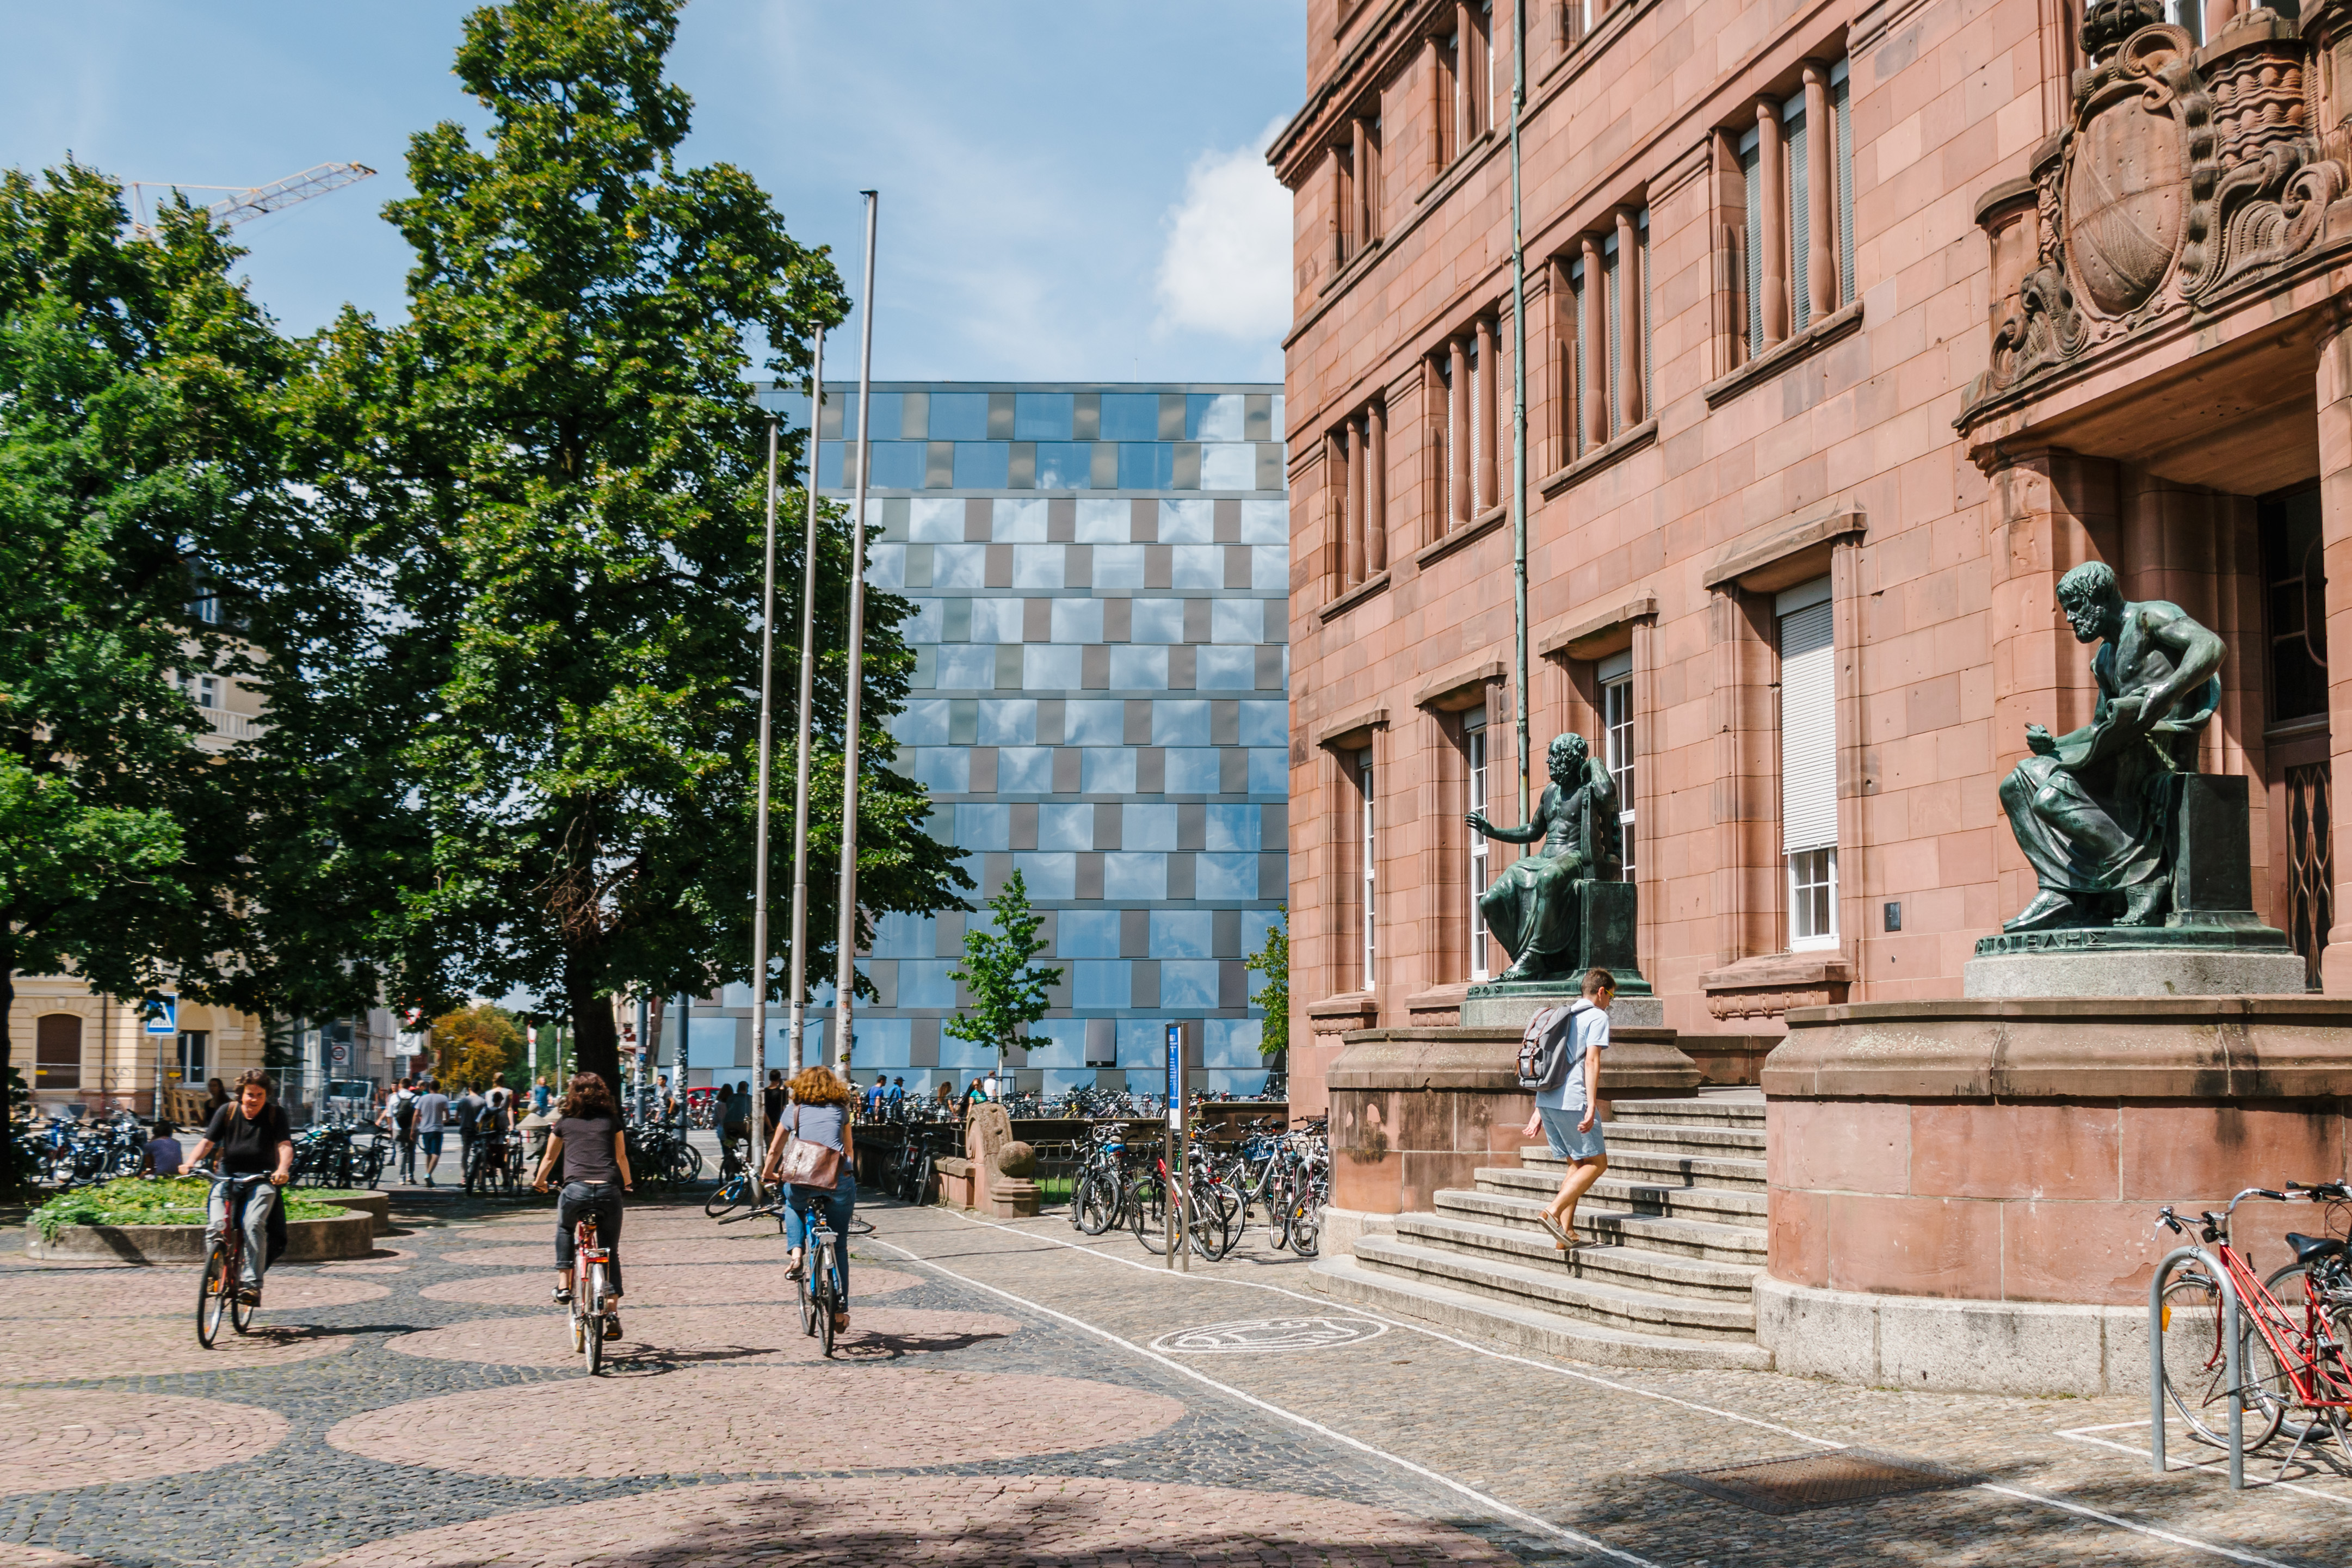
1008, 991
1273, 961
557, 464
479, 1043
148, 537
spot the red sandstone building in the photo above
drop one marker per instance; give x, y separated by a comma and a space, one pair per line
1851, 327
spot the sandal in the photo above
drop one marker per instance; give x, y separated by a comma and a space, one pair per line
1560, 1238
563, 1294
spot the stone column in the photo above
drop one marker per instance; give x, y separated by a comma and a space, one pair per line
1359, 213
1433, 61
1487, 400
1821, 260
1358, 568
1345, 567
1463, 77
1592, 331
1772, 219
1727, 309
1376, 490
2335, 388
1630, 382
1335, 225
1457, 433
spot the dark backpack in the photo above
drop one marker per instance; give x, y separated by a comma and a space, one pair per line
1545, 1048
403, 1116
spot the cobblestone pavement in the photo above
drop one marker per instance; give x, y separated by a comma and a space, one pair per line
998, 1399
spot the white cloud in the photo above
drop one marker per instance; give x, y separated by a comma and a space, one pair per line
1226, 268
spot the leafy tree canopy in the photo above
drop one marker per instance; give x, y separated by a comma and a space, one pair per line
1273, 961
1008, 991
478, 1045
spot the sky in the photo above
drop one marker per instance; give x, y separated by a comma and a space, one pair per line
1071, 189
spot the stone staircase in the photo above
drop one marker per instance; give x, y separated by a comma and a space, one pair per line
1681, 1209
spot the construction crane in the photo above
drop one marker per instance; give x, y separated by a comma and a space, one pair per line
249, 202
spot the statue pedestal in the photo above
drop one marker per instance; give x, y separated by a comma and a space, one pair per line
1963, 1194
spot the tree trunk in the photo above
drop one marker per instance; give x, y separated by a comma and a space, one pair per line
596, 1043
7, 1099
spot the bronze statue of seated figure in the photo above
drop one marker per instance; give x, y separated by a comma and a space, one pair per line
1532, 908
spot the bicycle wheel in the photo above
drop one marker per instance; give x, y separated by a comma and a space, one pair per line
828, 1306
595, 1348
2196, 1368
1097, 1202
689, 1164
1217, 1217
1306, 1221
240, 1316
213, 1295
2297, 1290
1147, 1212
724, 1198
801, 1277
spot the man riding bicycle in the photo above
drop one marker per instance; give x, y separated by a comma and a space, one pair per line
252, 1136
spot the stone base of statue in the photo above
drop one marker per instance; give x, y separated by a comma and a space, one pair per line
2211, 943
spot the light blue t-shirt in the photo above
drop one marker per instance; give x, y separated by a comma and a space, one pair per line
1588, 1031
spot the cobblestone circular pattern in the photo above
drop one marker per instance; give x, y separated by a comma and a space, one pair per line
662, 1285
768, 1248
63, 1350
664, 1338
78, 1437
1261, 1336
793, 1418
156, 1291
1079, 1522
12, 1555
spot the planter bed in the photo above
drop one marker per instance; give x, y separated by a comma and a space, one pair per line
142, 1235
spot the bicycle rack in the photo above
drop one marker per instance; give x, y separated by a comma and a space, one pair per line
2229, 1337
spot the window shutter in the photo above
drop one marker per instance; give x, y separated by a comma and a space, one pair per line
1808, 725
1756, 240
1798, 158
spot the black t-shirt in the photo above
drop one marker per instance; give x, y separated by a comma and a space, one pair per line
248, 1148
588, 1148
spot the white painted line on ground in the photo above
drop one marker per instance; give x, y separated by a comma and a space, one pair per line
2153, 1532
2218, 1464
1492, 1504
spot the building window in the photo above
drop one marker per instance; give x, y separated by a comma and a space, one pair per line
1358, 452
1473, 748
195, 1048
1605, 329
1356, 197
56, 1052
1615, 678
1370, 871
1796, 169
1809, 763
2297, 578
203, 691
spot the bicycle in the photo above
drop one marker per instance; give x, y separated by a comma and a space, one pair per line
2283, 1365
819, 1286
218, 1295
741, 1189
592, 1314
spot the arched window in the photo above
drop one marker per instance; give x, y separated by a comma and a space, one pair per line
56, 1052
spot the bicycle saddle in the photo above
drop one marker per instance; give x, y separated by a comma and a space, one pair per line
2307, 1247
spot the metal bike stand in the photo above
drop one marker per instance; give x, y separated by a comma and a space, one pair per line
2230, 1351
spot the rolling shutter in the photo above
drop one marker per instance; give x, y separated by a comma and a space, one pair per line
1808, 720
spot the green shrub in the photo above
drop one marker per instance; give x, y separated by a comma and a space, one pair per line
141, 1200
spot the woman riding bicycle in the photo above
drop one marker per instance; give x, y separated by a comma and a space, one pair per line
819, 1114
588, 1142
252, 1137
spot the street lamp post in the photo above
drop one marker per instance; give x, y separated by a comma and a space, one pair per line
808, 704
845, 965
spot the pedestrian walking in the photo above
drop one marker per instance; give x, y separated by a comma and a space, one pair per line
540, 1097
432, 1118
1567, 1112
773, 1097
465, 1111
400, 1116
215, 1096
896, 1097
820, 1114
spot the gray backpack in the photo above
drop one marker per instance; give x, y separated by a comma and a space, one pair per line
1547, 1048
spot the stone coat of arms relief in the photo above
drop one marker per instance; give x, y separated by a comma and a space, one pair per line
2184, 176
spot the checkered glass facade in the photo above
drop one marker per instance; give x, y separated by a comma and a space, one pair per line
1100, 576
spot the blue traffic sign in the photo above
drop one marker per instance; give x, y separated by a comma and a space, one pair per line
163, 1015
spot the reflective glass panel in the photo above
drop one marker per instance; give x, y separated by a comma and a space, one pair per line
1156, 620
1233, 1043
1187, 984
1065, 827
1026, 770
931, 519
1270, 567
1008, 721
1147, 465
1077, 621
1148, 827
1266, 723
922, 983
1197, 568
1226, 669
1188, 521
1065, 465
983, 826
995, 620
982, 465
1041, 415
1191, 769
922, 722
1138, 668
1109, 770
1180, 722
1087, 933
1183, 933
1266, 522
958, 416
1105, 522
1015, 522
1037, 566
942, 770
1269, 772
1229, 465
923, 625
1225, 876
1212, 417
1094, 721
899, 936
966, 666
1237, 620
886, 567
1118, 566
1140, 876
1232, 827
1096, 983
1130, 416
898, 466
1048, 876
959, 566
1045, 667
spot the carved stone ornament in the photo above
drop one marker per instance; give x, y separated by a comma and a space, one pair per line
2181, 173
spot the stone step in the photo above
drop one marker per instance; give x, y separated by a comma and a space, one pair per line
1561, 1288
1514, 1326
1634, 1267
1726, 1205
1698, 1238
1708, 1109
1684, 1169
1711, 1140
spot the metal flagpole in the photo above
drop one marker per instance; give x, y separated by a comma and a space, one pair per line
846, 968
801, 738
759, 873
1520, 405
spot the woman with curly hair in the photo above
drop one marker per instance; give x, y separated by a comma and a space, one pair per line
820, 1113
593, 1149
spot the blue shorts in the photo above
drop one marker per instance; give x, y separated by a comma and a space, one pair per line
429, 1142
1559, 1132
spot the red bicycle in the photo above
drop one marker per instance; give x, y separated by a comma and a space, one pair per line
2294, 1331
592, 1265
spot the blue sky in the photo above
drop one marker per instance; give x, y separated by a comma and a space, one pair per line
1069, 190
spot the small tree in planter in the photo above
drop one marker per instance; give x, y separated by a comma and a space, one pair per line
1008, 991
1273, 961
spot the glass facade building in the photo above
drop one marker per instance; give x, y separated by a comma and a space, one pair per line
1100, 576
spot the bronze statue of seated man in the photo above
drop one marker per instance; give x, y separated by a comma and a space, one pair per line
2089, 809
1531, 908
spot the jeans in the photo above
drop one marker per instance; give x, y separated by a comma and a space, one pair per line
602, 1199
261, 1225
838, 1205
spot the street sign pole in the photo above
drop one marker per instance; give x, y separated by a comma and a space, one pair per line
1178, 1232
